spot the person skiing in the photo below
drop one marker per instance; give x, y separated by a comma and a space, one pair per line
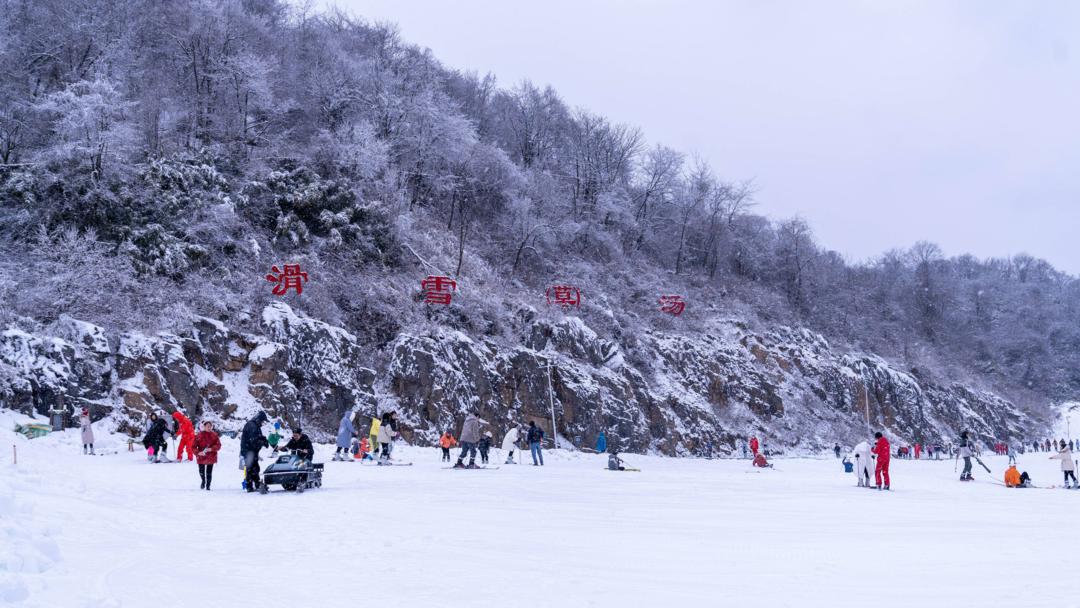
87, 432
535, 437
345, 433
881, 450
754, 445
484, 446
446, 442
274, 438
206, 445
1068, 466
836, 450
614, 463
470, 436
154, 440
509, 443
185, 436
251, 441
601, 443
965, 453
300, 445
387, 432
862, 458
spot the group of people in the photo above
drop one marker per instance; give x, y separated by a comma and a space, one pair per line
471, 441
1053, 446
867, 459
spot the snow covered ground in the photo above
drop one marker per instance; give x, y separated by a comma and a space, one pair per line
115, 531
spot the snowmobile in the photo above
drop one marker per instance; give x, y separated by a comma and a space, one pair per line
292, 473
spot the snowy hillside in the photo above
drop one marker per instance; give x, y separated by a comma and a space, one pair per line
111, 531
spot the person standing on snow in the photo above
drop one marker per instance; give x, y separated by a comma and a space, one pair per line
345, 433
535, 437
601, 443
387, 432
154, 440
836, 450
274, 438
251, 441
470, 436
373, 434
864, 466
87, 432
484, 446
881, 450
965, 453
185, 436
446, 442
509, 443
1068, 467
206, 444
754, 446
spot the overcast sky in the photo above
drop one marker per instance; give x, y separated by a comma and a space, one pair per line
880, 123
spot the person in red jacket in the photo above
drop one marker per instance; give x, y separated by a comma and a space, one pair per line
881, 450
754, 445
207, 445
185, 435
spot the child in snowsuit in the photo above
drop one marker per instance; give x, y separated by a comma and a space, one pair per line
206, 445
485, 447
1068, 467
446, 442
274, 438
614, 463
87, 432
185, 435
365, 450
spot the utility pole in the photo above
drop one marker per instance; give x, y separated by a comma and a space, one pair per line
551, 403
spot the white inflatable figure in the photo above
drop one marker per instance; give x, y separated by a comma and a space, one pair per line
864, 463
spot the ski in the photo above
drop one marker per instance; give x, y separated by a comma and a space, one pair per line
625, 469
476, 468
393, 464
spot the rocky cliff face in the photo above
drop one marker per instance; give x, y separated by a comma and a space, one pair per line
674, 394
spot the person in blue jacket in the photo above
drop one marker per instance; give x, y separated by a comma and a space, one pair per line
601, 443
345, 433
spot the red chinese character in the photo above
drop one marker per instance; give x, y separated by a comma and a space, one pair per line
437, 290
564, 295
672, 304
291, 278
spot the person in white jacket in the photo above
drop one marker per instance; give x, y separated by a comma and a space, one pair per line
509, 443
864, 464
1068, 466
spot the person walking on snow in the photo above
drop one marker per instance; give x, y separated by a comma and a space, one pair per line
484, 447
206, 444
509, 443
881, 450
185, 436
387, 432
446, 442
345, 433
470, 436
601, 443
965, 453
87, 432
535, 437
754, 445
1068, 466
251, 441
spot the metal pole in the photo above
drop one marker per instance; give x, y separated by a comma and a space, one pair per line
866, 402
551, 403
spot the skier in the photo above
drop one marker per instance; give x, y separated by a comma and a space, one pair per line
836, 450
965, 453
185, 436
87, 432
863, 467
344, 435
881, 450
535, 437
484, 447
614, 463
154, 440
754, 445
251, 441
300, 445
206, 445
470, 436
1068, 467
446, 442
510, 442
601, 443
387, 432
274, 438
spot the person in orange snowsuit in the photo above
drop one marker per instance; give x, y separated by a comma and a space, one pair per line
1012, 477
446, 442
881, 450
185, 435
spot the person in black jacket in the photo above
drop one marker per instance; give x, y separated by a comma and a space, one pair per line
155, 438
251, 441
300, 445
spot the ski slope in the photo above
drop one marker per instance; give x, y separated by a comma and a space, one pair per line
114, 531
